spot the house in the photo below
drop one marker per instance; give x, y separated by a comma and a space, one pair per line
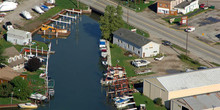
182, 85
15, 60
135, 43
19, 37
7, 74
172, 7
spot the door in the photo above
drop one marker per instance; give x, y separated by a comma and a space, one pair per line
143, 54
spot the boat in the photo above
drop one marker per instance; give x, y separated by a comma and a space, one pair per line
38, 96
8, 25
102, 43
7, 6
121, 101
51, 92
44, 7
104, 53
26, 14
38, 9
51, 83
104, 61
122, 105
123, 97
28, 105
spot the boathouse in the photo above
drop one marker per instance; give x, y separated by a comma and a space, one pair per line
15, 59
19, 37
196, 90
135, 43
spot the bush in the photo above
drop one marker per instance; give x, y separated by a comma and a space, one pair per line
33, 64
112, 45
5, 89
158, 101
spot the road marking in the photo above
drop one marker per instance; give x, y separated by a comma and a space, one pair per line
161, 30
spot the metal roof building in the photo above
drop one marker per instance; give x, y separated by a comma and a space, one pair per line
183, 84
20, 37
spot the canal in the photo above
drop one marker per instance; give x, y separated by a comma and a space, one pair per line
76, 69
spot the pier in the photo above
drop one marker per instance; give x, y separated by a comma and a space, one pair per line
39, 51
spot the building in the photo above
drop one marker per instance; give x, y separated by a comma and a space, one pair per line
135, 43
15, 60
7, 74
19, 37
172, 7
187, 6
182, 85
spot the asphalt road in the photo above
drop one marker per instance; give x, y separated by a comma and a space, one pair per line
141, 21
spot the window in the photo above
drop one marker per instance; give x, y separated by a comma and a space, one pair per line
166, 5
118, 40
128, 46
138, 52
121, 41
133, 48
150, 47
155, 51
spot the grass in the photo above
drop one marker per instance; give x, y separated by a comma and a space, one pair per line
179, 48
217, 43
189, 61
37, 83
176, 21
216, 64
141, 99
117, 54
5, 44
142, 6
4, 101
140, 32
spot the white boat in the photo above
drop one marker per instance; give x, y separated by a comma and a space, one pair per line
123, 97
124, 104
38, 9
51, 92
140, 62
38, 96
7, 6
26, 14
102, 43
9, 25
122, 101
28, 105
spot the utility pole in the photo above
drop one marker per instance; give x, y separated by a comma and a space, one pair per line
187, 37
128, 13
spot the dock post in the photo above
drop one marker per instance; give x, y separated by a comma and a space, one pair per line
36, 51
42, 50
44, 32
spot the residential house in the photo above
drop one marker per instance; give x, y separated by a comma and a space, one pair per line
135, 43
172, 7
182, 86
7, 74
15, 60
19, 37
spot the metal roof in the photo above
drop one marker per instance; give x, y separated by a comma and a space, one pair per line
20, 33
205, 101
184, 4
191, 79
131, 37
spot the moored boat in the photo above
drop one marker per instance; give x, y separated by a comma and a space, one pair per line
28, 105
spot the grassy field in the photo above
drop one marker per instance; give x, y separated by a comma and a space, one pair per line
140, 32
179, 48
118, 57
14, 101
189, 61
141, 99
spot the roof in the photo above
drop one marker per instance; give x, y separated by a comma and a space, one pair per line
10, 52
204, 101
192, 79
17, 62
131, 37
6, 73
184, 4
20, 33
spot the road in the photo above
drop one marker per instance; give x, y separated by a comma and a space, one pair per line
141, 21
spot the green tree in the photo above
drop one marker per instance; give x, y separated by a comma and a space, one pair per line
21, 88
5, 89
2, 58
33, 64
158, 101
111, 21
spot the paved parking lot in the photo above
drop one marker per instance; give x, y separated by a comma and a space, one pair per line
216, 3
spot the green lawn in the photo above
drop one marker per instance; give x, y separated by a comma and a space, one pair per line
140, 32
142, 6
179, 48
189, 61
14, 101
141, 99
37, 83
117, 54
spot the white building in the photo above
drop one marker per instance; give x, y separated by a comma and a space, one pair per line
135, 43
187, 6
20, 37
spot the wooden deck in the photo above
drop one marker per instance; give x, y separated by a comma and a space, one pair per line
53, 33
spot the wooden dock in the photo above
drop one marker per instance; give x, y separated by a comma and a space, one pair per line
53, 33
39, 51
9, 106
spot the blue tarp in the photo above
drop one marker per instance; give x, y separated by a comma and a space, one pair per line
102, 43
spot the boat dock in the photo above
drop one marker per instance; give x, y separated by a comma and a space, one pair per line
38, 51
56, 34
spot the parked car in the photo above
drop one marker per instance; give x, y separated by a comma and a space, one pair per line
167, 43
202, 6
202, 67
140, 62
191, 29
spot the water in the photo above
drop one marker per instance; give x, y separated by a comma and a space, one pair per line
76, 69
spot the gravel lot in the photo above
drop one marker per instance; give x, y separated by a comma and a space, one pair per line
14, 16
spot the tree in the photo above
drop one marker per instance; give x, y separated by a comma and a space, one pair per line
111, 21
33, 64
20, 88
5, 89
158, 101
2, 58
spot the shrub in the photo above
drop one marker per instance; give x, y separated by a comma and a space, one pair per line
158, 101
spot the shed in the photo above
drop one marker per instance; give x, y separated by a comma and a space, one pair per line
19, 37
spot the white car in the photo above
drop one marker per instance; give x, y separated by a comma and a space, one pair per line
26, 14
140, 62
190, 29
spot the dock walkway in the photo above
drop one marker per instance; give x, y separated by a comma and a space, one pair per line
109, 61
